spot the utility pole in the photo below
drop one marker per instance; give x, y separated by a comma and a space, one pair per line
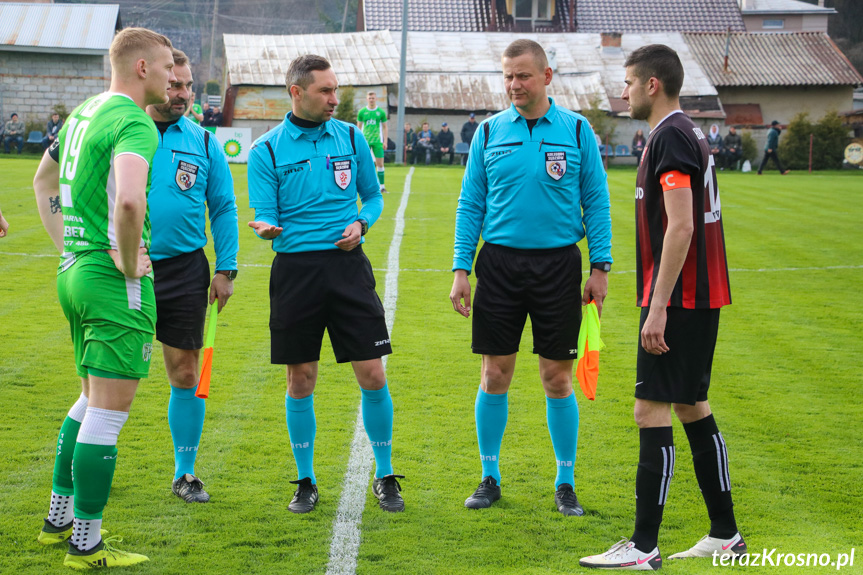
345, 15
400, 139
213, 38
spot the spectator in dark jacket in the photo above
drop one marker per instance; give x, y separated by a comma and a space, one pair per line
446, 141
51, 130
771, 150
467, 132
638, 142
732, 149
424, 144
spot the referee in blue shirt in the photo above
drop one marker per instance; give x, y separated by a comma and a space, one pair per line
304, 178
534, 186
190, 175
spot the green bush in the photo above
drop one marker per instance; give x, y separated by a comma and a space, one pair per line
829, 140
345, 110
212, 88
748, 146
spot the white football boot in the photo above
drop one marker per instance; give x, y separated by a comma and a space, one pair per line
708, 545
623, 555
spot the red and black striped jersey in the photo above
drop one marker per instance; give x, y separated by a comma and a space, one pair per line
676, 150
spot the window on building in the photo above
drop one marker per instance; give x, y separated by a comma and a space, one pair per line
528, 13
776, 24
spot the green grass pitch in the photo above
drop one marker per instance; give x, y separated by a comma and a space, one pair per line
786, 390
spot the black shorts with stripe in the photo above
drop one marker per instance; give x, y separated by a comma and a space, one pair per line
512, 284
182, 287
328, 289
682, 374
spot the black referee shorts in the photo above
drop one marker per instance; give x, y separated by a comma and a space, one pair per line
682, 374
512, 284
328, 289
182, 287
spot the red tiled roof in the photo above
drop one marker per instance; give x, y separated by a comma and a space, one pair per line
773, 59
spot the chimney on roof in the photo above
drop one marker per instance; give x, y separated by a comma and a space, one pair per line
821, 3
610, 43
610, 39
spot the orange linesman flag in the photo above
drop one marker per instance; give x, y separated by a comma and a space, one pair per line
589, 344
203, 390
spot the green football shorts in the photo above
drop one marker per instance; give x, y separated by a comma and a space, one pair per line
377, 150
112, 318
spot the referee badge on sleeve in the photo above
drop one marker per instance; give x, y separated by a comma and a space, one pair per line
186, 175
342, 173
555, 164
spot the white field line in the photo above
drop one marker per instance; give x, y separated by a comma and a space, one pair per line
346, 528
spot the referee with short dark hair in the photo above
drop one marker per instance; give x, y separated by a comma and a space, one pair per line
190, 177
534, 187
304, 178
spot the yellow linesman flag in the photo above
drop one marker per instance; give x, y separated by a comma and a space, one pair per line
589, 344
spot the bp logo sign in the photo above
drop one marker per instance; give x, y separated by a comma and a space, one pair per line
233, 148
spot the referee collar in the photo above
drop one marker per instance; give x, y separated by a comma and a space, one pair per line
549, 116
295, 132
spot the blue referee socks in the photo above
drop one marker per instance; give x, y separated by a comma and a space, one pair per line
562, 415
377, 408
186, 420
300, 415
491, 413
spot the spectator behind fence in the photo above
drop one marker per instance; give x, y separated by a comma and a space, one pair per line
467, 132
14, 132
446, 141
638, 142
214, 118
51, 130
732, 150
409, 143
714, 141
424, 143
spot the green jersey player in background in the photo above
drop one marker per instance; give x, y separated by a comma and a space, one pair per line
91, 188
373, 122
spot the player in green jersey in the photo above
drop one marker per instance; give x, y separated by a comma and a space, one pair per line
373, 122
91, 189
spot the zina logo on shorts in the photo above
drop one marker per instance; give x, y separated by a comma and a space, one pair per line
147, 351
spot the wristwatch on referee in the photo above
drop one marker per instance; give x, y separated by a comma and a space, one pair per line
230, 274
365, 226
601, 266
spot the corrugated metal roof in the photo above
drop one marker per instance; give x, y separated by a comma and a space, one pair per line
474, 92
359, 58
783, 6
69, 28
456, 71
771, 59
456, 53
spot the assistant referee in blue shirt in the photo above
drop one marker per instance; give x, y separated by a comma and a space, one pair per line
190, 175
304, 178
534, 186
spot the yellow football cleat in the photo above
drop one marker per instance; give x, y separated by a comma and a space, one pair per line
51, 535
103, 555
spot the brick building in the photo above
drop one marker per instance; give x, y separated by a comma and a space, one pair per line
53, 54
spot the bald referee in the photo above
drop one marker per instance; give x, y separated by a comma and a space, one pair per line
534, 187
682, 282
